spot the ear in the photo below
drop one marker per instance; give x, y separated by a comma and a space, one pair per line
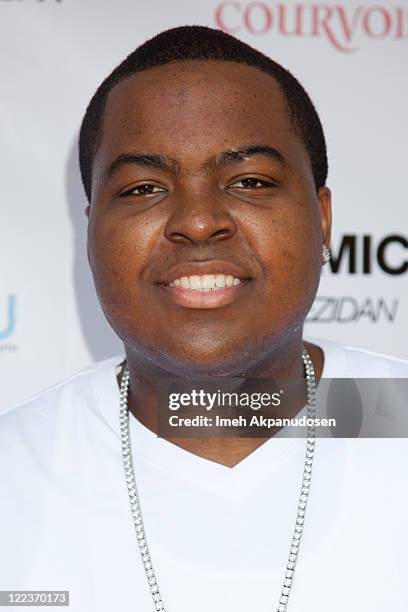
87, 212
325, 199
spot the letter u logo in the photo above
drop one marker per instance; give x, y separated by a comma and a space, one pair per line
10, 318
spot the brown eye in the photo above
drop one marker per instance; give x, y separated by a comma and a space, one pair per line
145, 189
251, 183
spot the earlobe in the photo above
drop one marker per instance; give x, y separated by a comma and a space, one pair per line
325, 199
87, 212
87, 255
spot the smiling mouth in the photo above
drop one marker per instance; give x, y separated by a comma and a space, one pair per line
205, 282
204, 290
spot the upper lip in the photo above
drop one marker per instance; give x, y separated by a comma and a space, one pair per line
213, 266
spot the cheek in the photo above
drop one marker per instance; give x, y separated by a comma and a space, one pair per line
289, 245
118, 253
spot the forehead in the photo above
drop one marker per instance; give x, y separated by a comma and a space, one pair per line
195, 92
192, 107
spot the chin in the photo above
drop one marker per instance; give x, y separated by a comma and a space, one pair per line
225, 361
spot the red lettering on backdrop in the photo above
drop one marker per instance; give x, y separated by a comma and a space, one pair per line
401, 22
221, 17
266, 13
321, 17
282, 16
337, 23
349, 26
367, 22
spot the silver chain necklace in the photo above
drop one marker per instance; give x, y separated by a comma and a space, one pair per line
137, 512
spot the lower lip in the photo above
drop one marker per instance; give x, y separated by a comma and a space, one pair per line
204, 299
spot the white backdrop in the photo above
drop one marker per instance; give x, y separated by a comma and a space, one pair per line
352, 58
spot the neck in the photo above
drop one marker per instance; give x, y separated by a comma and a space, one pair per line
285, 362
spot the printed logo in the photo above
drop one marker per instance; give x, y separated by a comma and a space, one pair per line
8, 319
342, 25
360, 254
38, 1
329, 309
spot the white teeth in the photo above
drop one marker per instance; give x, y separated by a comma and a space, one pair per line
195, 282
205, 282
208, 281
220, 280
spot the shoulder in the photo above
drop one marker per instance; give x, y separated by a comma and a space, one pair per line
50, 452
61, 402
343, 361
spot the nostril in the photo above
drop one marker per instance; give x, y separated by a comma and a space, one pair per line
222, 233
177, 237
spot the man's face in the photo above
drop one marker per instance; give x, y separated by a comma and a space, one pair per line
200, 175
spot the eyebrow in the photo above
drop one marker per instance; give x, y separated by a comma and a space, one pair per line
216, 162
161, 162
235, 155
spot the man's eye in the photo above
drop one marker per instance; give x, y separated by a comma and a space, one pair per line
145, 189
251, 183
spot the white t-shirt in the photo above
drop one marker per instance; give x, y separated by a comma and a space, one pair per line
219, 537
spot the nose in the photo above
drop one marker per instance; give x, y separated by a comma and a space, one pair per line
199, 218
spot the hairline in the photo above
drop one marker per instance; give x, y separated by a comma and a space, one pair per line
110, 88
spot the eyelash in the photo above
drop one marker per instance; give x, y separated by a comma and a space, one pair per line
132, 191
257, 180
264, 184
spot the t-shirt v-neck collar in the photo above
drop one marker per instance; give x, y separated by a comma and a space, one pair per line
168, 457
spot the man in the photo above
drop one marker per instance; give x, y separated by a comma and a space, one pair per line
205, 167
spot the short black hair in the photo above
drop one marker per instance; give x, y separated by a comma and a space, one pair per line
203, 43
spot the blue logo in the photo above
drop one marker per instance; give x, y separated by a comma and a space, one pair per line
10, 320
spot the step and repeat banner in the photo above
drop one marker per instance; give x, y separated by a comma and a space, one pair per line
352, 57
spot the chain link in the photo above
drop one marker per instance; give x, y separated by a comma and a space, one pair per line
301, 508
